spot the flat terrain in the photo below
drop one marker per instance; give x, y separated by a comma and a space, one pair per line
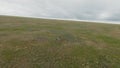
43, 43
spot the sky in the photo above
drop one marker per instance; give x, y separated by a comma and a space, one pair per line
93, 10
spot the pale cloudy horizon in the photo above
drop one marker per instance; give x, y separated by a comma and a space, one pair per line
96, 10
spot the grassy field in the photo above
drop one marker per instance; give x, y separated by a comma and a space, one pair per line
43, 43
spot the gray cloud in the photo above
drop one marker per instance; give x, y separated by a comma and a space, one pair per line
100, 10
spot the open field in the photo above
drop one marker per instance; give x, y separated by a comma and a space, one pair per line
43, 43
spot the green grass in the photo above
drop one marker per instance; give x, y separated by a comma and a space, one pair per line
44, 43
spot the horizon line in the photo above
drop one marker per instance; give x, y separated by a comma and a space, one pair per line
94, 21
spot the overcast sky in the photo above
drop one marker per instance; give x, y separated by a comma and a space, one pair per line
98, 10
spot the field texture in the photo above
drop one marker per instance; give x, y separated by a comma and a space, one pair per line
43, 43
